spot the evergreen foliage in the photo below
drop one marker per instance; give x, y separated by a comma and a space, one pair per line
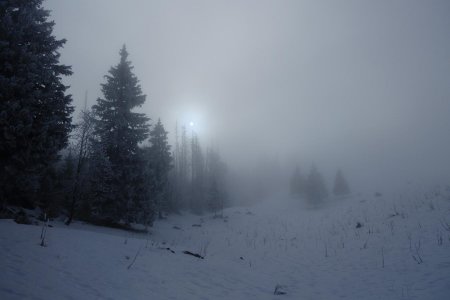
183, 173
49, 194
120, 130
197, 200
100, 199
341, 187
215, 200
298, 184
35, 111
216, 179
316, 190
160, 164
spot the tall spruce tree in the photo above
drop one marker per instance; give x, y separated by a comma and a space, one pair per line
341, 187
197, 197
316, 190
160, 165
99, 202
215, 199
184, 169
35, 111
298, 184
215, 180
120, 130
174, 176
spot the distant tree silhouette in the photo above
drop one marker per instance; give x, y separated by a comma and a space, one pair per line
341, 187
316, 190
298, 184
197, 200
216, 171
160, 164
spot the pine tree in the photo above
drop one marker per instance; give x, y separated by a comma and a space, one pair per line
216, 180
341, 187
99, 202
184, 169
160, 164
197, 177
316, 190
298, 184
66, 177
47, 195
121, 130
174, 176
215, 200
35, 111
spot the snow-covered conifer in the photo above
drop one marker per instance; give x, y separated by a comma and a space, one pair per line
35, 111
120, 130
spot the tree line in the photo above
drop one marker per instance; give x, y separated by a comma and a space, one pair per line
111, 166
312, 188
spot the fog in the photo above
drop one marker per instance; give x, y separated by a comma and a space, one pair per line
358, 85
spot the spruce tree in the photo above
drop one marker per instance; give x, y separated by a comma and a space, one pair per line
184, 169
316, 190
35, 111
174, 176
197, 200
298, 184
120, 130
99, 201
341, 187
215, 201
48, 196
216, 180
66, 177
160, 165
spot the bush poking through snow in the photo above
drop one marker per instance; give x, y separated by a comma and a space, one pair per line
280, 290
22, 218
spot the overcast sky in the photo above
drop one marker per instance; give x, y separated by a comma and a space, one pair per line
362, 85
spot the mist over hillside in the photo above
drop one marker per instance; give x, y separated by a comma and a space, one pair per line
252, 149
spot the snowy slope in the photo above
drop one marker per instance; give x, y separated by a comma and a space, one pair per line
312, 253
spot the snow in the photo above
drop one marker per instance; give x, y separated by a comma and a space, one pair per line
310, 253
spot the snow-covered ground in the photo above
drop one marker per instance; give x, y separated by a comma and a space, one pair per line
401, 251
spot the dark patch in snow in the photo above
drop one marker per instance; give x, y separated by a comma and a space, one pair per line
22, 218
280, 290
167, 248
394, 215
193, 254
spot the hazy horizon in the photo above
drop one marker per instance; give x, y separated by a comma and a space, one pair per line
358, 85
